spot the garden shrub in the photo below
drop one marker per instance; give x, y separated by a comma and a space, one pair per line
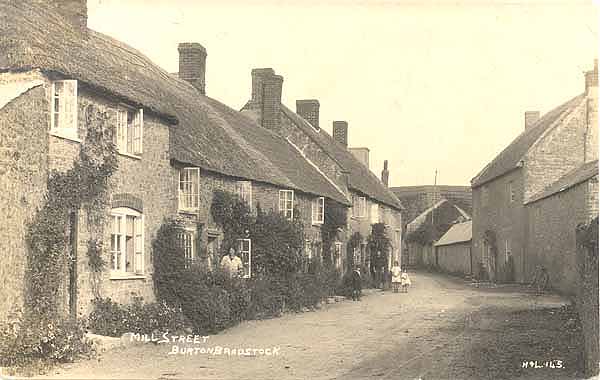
113, 319
29, 339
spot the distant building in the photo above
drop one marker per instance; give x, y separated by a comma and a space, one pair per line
427, 228
453, 250
418, 199
550, 147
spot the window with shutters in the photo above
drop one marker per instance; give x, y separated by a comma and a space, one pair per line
130, 130
189, 189
244, 190
127, 242
286, 203
63, 121
318, 210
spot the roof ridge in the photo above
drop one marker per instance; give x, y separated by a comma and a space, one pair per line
317, 168
545, 122
549, 190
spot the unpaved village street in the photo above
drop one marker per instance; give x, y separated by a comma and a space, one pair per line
443, 328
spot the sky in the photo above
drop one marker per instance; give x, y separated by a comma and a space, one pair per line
425, 85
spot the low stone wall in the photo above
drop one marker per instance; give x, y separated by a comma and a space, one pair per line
587, 296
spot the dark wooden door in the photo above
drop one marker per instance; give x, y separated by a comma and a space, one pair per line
73, 227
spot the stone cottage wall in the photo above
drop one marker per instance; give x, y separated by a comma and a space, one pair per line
23, 172
505, 219
552, 224
148, 178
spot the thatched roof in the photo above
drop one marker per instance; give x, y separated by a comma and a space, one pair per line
572, 178
509, 158
207, 133
360, 178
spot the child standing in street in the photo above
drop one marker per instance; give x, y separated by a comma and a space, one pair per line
356, 284
396, 276
405, 281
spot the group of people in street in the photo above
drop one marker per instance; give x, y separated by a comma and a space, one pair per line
400, 278
232, 264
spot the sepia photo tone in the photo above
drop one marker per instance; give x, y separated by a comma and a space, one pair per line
286, 189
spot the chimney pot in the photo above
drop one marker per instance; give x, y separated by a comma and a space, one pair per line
385, 174
340, 132
192, 64
309, 110
531, 117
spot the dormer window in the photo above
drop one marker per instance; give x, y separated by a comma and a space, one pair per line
244, 191
63, 119
359, 207
130, 127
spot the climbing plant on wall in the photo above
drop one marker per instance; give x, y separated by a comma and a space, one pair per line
335, 217
84, 186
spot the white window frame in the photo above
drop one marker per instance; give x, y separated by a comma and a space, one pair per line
63, 110
244, 191
286, 203
318, 210
129, 136
359, 206
187, 241
374, 213
188, 198
118, 264
511, 192
243, 251
337, 253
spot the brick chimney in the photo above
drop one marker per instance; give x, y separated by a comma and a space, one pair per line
309, 110
266, 95
192, 64
385, 174
340, 132
362, 155
531, 117
75, 11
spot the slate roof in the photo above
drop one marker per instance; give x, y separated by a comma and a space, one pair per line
509, 158
360, 178
205, 133
458, 233
572, 178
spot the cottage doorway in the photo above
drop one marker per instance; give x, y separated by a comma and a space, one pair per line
73, 227
212, 252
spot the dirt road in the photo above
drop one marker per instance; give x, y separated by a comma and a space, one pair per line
442, 329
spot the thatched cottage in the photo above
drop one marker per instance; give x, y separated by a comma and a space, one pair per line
372, 201
175, 146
